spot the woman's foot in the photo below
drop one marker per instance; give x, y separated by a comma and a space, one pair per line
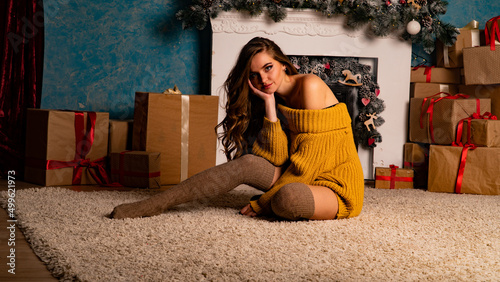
134, 210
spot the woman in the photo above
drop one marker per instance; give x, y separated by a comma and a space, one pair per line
311, 172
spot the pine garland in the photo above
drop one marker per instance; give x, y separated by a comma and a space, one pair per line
383, 17
330, 69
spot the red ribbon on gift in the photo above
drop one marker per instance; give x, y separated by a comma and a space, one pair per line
490, 34
430, 109
467, 146
427, 72
393, 178
121, 171
84, 139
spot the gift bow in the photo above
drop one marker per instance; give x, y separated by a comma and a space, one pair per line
467, 146
490, 34
472, 25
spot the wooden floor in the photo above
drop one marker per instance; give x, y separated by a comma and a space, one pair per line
28, 267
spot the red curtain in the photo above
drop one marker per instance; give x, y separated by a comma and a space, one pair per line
21, 46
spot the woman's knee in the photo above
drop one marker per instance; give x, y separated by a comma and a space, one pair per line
261, 168
293, 201
257, 171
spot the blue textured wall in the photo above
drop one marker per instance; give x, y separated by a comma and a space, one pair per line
461, 12
98, 53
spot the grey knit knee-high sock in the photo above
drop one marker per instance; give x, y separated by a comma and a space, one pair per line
248, 169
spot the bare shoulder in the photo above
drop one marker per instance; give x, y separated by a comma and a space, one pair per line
315, 92
312, 82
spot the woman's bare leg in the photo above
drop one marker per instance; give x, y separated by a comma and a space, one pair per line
326, 204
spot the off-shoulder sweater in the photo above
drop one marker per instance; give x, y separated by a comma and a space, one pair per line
319, 150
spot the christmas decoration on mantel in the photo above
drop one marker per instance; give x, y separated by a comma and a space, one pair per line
349, 74
417, 20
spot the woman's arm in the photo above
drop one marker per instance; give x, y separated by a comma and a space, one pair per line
272, 142
269, 102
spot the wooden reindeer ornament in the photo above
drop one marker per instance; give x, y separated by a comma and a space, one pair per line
369, 121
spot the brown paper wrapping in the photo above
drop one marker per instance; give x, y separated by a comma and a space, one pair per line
481, 172
138, 169
120, 135
484, 91
438, 75
416, 157
50, 135
481, 66
483, 132
400, 172
447, 114
181, 128
422, 90
467, 38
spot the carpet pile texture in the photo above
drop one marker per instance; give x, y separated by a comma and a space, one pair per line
401, 235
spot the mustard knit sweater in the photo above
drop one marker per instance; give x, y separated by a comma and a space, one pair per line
320, 150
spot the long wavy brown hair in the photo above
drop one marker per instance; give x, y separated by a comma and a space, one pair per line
245, 111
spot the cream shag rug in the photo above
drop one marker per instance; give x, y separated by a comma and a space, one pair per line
401, 235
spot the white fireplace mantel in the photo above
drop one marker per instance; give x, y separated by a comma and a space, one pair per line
307, 32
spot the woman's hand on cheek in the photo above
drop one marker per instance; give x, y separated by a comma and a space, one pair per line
269, 102
263, 95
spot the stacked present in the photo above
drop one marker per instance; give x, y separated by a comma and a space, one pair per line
171, 138
453, 127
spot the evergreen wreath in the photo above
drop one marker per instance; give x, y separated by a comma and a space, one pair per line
370, 106
383, 17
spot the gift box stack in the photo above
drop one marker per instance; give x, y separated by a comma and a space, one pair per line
453, 108
171, 137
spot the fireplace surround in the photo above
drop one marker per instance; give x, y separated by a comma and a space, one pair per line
309, 33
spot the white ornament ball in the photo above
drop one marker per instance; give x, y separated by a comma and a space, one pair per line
413, 27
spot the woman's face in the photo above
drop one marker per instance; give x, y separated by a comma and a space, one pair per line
266, 74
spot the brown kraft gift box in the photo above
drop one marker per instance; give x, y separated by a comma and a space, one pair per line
422, 90
452, 56
120, 136
52, 139
393, 178
482, 168
416, 157
483, 132
181, 128
446, 115
136, 169
484, 91
435, 75
481, 65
